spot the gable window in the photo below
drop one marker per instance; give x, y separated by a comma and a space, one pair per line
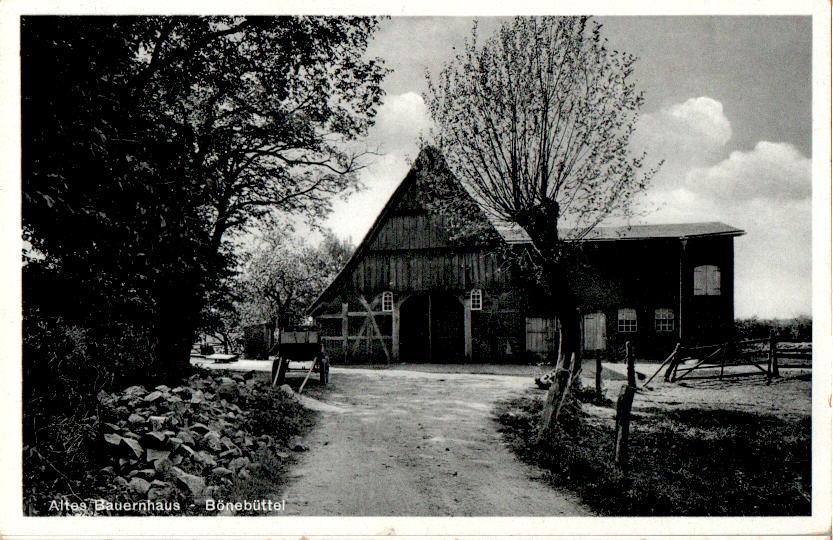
626, 321
476, 299
387, 301
707, 280
664, 320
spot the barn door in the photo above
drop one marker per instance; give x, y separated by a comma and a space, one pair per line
595, 337
542, 337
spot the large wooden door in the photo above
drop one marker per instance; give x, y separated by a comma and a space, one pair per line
542, 337
595, 332
431, 329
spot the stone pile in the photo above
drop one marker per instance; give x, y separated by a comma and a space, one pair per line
183, 443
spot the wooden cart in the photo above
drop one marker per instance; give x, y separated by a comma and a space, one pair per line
300, 350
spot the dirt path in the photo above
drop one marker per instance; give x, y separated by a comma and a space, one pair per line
416, 444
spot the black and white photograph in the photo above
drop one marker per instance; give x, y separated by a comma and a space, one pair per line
311, 271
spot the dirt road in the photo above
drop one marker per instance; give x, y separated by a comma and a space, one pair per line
416, 444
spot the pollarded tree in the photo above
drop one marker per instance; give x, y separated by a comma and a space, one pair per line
536, 123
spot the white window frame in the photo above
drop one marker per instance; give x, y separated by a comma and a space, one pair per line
664, 320
387, 301
707, 280
476, 299
626, 320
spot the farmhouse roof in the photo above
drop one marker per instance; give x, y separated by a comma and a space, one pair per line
513, 234
431, 157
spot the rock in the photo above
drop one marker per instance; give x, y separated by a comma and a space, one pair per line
174, 443
163, 388
200, 428
286, 389
139, 485
133, 446
244, 474
205, 458
113, 439
221, 471
176, 460
121, 481
135, 419
113, 427
153, 396
160, 493
197, 396
153, 454
147, 473
134, 391
296, 445
195, 484
238, 463
108, 470
212, 441
186, 437
163, 465
154, 439
158, 422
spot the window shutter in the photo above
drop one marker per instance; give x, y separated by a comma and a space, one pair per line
714, 280
699, 280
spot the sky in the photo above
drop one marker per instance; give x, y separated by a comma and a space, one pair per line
727, 107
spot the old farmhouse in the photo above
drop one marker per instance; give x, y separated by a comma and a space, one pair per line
415, 292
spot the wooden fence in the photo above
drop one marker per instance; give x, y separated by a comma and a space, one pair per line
767, 356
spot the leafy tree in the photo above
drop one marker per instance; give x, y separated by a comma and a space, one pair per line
283, 275
536, 122
148, 140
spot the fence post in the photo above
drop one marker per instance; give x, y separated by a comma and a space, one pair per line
623, 414
599, 375
773, 355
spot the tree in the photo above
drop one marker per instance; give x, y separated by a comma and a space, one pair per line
148, 140
283, 275
536, 123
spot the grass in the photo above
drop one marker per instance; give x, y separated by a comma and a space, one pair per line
689, 462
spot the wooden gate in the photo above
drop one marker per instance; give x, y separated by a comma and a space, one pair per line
542, 337
595, 332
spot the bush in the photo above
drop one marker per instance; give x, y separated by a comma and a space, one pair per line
795, 329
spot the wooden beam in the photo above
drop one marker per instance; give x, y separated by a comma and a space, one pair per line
394, 330
467, 327
375, 326
345, 329
351, 314
349, 338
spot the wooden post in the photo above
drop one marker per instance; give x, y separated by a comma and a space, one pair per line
394, 332
556, 396
623, 415
773, 355
430, 336
345, 329
467, 326
631, 368
599, 389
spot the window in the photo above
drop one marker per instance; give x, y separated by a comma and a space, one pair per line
707, 280
476, 299
387, 301
627, 320
664, 320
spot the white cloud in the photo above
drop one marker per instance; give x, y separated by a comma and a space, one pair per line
399, 122
770, 170
684, 135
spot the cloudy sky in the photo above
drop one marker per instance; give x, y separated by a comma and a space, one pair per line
728, 107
